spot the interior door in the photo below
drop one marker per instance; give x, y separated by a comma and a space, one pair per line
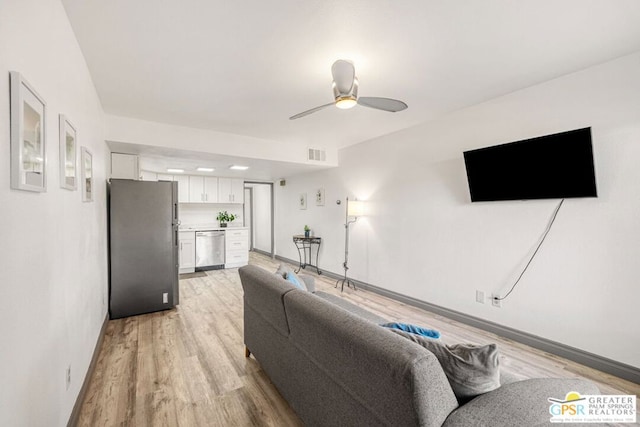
248, 214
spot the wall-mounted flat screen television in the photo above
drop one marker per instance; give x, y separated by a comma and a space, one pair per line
548, 167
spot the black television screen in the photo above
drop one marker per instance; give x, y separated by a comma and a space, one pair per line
548, 167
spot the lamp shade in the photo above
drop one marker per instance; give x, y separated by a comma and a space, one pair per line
355, 208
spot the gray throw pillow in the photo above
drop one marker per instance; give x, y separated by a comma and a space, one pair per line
287, 274
282, 271
471, 369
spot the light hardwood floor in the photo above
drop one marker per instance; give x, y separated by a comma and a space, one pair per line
187, 367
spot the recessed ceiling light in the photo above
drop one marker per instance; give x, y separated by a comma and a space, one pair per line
205, 169
238, 167
175, 170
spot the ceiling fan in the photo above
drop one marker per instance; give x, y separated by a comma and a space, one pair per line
345, 92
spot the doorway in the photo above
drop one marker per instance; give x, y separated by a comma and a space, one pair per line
259, 216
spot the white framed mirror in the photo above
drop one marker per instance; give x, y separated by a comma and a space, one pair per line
87, 175
28, 154
68, 163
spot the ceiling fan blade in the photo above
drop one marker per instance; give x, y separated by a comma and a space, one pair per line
385, 104
313, 110
343, 74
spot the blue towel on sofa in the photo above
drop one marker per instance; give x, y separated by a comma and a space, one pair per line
413, 329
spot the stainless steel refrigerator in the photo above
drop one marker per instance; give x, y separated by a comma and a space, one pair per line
143, 247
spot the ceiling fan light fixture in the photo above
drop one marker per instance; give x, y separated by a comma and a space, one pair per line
345, 93
346, 102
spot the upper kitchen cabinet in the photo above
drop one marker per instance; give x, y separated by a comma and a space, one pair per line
124, 166
183, 185
230, 190
148, 176
203, 189
183, 188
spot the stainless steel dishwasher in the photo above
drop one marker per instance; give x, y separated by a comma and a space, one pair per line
209, 250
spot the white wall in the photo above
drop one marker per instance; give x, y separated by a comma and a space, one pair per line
206, 213
136, 131
423, 238
53, 247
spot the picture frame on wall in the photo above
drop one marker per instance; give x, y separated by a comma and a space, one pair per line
320, 197
303, 201
28, 141
87, 175
68, 162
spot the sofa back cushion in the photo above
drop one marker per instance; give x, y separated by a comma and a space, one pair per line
394, 380
472, 369
264, 293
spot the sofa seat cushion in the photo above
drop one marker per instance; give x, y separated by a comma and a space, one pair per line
523, 403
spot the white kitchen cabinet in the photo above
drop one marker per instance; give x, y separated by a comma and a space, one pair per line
203, 189
183, 185
230, 190
183, 188
236, 243
124, 166
196, 189
148, 176
187, 251
210, 189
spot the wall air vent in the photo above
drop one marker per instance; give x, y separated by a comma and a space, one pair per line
317, 155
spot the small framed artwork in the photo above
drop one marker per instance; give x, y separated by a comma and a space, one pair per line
87, 175
320, 197
28, 154
68, 169
303, 201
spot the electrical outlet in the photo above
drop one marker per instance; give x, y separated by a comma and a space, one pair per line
480, 297
165, 298
68, 377
495, 301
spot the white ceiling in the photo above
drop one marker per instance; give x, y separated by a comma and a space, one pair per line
244, 67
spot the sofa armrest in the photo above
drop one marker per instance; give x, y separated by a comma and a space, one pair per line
310, 282
522, 403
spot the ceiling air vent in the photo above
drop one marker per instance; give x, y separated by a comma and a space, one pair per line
317, 155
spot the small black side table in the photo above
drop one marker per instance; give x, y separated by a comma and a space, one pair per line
304, 245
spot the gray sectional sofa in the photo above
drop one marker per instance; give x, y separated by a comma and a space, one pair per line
337, 367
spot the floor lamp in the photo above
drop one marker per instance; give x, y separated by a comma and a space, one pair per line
354, 209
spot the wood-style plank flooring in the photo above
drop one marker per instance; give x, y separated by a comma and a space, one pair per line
186, 367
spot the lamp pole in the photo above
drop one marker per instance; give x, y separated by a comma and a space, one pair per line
345, 265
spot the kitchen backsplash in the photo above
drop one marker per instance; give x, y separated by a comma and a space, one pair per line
206, 213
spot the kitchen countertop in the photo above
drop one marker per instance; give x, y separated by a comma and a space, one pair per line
207, 227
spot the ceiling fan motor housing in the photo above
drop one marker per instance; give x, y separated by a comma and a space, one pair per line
346, 99
345, 93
